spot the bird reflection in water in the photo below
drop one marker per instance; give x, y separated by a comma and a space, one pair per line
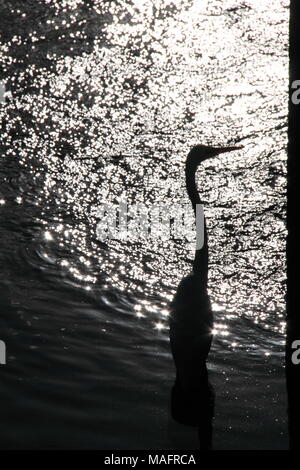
191, 325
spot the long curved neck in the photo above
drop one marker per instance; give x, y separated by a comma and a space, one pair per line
200, 264
191, 187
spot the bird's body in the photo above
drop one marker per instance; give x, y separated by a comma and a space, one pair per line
191, 324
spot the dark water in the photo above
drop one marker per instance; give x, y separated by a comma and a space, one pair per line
102, 103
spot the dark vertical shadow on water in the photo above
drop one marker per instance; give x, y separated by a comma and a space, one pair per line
293, 317
192, 397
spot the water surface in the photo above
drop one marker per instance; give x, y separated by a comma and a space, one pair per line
102, 102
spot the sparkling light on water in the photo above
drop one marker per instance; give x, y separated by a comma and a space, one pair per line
115, 116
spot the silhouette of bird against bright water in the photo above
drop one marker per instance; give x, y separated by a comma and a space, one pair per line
191, 324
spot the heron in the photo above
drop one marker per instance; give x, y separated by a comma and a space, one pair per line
191, 322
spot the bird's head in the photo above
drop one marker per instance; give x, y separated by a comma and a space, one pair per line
199, 153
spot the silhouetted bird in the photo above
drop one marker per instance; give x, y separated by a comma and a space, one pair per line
191, 323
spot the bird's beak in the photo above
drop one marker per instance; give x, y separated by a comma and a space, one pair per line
228, 149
